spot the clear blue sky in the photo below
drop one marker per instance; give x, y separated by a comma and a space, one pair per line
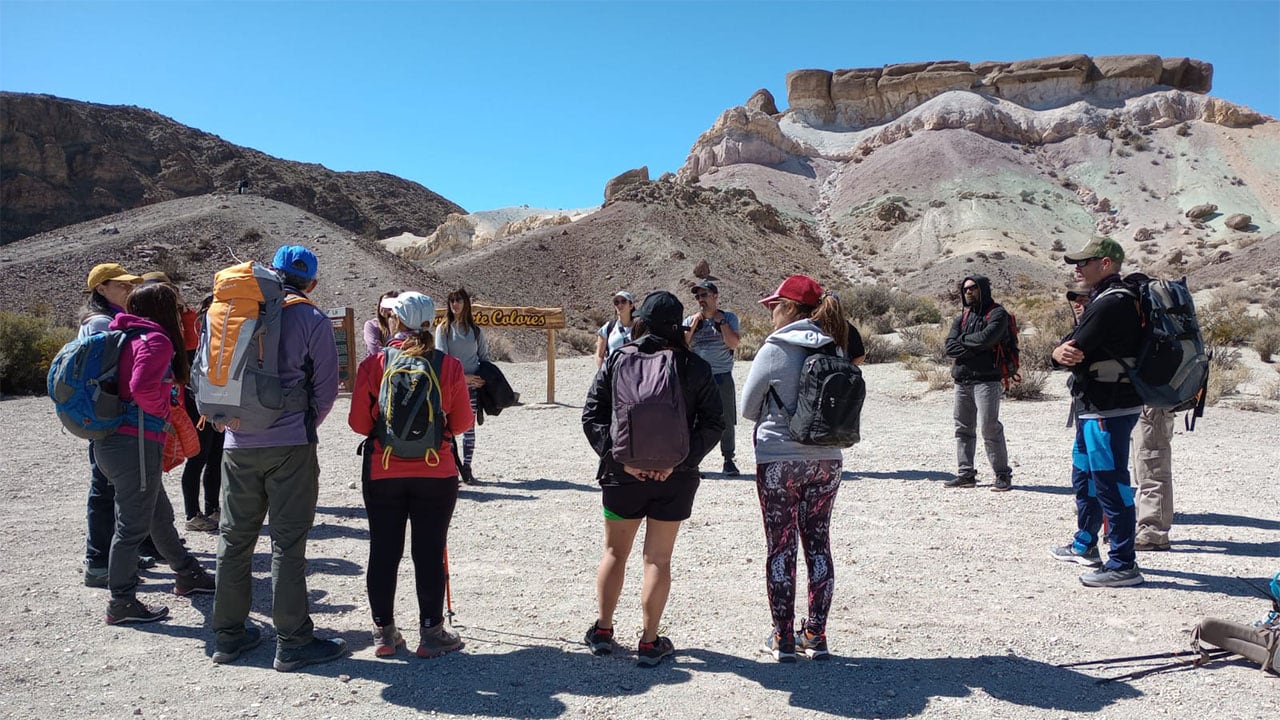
540, 103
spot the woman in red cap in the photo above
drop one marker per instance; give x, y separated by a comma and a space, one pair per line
796, 483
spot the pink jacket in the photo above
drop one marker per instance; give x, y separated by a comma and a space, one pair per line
144, 363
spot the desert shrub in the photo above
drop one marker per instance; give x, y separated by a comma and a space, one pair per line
597, 317
915, 309
922, 370
1031, 387
1271, 391
1266, 339
752, 332
879, 348
500, 348
866, 302
1225, 319
927, 341
882, 324
1226, 374
581, 341
27, 346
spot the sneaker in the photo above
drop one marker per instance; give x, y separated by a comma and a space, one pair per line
146, 562
120, 612
1151, 546
290, 658
730, 470
962, 481
193, 581
599, 639
467, 477
1072, 553
649, 654
438, 640
230, 652
386, 640
95, 577
782, 649
1003, 483
1103, 577
814, 645
200, 523
215, 517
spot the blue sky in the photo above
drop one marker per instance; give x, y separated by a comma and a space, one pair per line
540, 103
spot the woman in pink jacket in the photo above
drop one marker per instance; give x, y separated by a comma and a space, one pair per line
130, 458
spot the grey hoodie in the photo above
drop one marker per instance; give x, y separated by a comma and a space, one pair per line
778, 365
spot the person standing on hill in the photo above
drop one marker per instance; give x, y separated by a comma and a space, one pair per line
972, 343
1106, 408
712, 333
460, 337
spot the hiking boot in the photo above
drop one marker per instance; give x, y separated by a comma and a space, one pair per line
599, 639
200, 523
230, 652
962, 481
649, 654
95, 577
290, 658
438, 640
1071, 552
386, 640
120, 612
814, 645
1002, 483
467, 477
783, 649
1151, 546
730, 470
1103, 577
195, 580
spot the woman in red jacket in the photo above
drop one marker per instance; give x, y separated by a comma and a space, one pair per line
131, 457
421, 491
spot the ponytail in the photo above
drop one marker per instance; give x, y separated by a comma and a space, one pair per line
830, 317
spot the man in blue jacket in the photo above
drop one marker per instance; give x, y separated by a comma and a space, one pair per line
1106, 410
972, 343
277, 471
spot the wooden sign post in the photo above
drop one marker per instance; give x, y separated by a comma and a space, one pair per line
344, 335
524, 318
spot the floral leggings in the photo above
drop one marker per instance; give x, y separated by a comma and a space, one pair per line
796, 498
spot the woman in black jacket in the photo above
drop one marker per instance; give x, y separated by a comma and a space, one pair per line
660, 498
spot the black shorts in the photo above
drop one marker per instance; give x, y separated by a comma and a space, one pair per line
671, 499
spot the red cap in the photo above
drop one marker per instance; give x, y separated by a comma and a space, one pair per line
797, 288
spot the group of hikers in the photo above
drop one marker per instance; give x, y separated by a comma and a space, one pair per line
662, 399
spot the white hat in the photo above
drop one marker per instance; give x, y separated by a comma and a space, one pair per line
415, 310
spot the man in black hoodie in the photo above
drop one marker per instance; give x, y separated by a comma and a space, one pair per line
972, 343
1106, 410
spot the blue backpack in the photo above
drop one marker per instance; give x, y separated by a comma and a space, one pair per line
82, 384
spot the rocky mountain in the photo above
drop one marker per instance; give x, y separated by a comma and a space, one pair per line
65, 162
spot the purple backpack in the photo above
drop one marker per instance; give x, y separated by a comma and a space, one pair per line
650, 430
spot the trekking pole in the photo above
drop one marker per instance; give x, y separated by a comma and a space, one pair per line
448, 591
1177, 664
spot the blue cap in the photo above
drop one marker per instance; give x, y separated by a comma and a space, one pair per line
414, 309
296, 260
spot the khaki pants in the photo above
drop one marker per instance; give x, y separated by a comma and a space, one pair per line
1153, 475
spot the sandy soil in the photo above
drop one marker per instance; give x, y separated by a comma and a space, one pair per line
947, 605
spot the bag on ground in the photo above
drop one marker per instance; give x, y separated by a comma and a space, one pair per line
650, 429
411, 417
829, 402
1258, 643
236, 369
83, 385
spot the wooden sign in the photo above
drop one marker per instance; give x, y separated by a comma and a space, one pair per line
522, 318
344, 336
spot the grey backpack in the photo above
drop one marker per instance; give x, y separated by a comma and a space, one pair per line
410, 414
650, 429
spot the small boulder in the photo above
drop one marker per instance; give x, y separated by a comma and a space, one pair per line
1142, 235
702, 269
631, 177
1238, 221
890, 212
763, 101
1202, 211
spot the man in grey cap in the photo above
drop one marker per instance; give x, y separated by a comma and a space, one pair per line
1106, 408
712, 333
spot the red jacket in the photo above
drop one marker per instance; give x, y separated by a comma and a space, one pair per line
455, 401
145, 364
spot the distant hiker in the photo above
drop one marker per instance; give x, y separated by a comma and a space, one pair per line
130, 458
377, 329
276, 471
658, 489
460, 337
712, 333
1106, 410
242, 187
796, 482
1153, 476
617, 332
975, 336
409, 483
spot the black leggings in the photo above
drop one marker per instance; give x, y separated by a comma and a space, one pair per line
427, 504
206, 465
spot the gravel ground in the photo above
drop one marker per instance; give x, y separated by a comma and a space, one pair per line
947, 602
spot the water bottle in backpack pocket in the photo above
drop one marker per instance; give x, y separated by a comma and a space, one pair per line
650, 429
411, 418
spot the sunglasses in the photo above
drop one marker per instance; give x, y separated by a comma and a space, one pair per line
967, 288
455, 299
700, 295
620, 301
1086, 261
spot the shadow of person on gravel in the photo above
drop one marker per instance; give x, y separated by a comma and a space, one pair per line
932, 475
893, 688
1199, 582
1221, 519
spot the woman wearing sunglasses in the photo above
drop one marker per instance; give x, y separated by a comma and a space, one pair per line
460, 337
617, 332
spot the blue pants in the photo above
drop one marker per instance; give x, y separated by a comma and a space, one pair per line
1100, 477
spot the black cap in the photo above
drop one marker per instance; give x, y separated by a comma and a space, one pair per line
662, 313
1074, 295
705, 285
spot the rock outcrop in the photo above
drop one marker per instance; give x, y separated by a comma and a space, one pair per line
628, 178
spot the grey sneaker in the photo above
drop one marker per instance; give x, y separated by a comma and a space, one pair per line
438, 640
1112, 578
782, 649
95, 577
133, 611
1003, 483
814, 646
230, 652
201, 523
962, 481
1072, 553
290, 658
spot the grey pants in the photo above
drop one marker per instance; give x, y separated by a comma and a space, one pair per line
1153, 475
977, 406
285, 482
729, 410
142, 507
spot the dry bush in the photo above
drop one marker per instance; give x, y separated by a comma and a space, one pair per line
926, 341
582, 342
1031, 387
1225, 319
27, 347
597, 317
1226, 374
500, 348
751, 336
886, 308
922, 370
879, 349
1042, 323
1271, 391
1266, 339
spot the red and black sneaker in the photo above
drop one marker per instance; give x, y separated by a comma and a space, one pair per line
599, 639
649, 654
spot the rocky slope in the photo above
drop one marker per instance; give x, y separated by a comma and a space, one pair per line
66, 161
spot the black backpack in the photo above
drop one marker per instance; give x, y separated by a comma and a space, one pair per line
411, 418
829, 402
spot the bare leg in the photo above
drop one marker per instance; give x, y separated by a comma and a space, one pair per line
618, 537
659, 541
